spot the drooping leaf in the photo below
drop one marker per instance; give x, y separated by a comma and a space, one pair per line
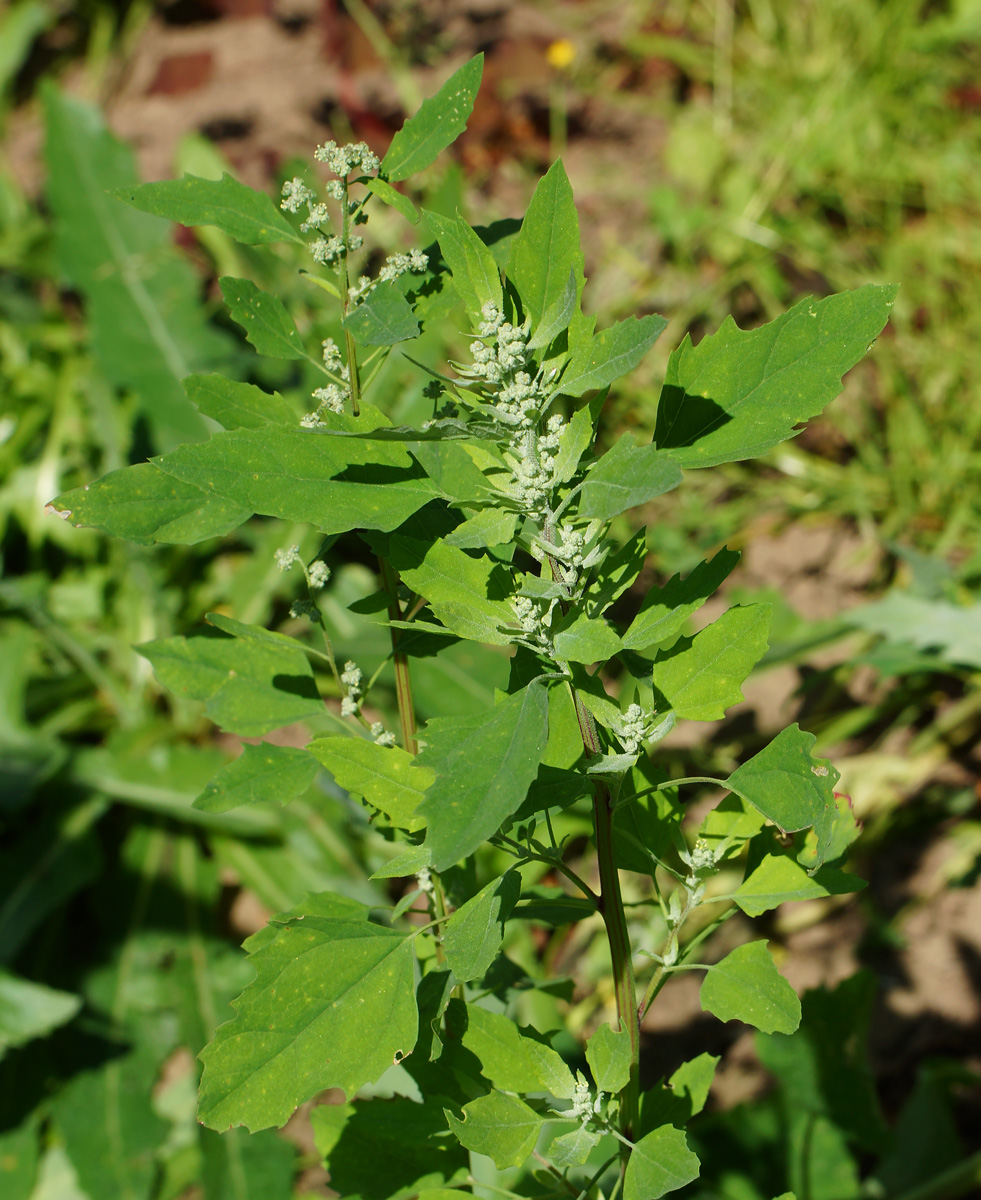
573, 1149
250, 688
472, 936
438, 123
383, 318
332, 1005
29, 1010
386, 776
608, 1054
659, 1163
468, 594
475, 273
779, 879
701, 676
665, 610
380, 1148
267, 324
512, 1060
237, 405
627, 475
484, 766
790, 787
609, 355
261, 773
500, 1126
394, 198
746, 986
546, 251
145, 505
248, 216
148, 326
585, 640
736, 394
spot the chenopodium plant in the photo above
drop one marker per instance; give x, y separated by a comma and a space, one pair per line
491, 523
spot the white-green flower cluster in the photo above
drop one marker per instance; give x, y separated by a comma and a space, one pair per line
585, 1105
287, 558
635, 724
318, 574
342, 160
351, 677
381, 736
701, 861
295, 194
395, 265
535, 621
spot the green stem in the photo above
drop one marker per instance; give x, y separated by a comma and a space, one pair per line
352, 354
615, 919
403, 681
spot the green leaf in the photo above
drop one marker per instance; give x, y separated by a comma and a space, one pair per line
383, 318
475, 273
746, 986
659, 1163
683, 1097
466, 593
665, 610
484, 766
386, 776
608, 1055
615, 574
142, 295
953, 631
250, 688
513, 1061
19, 1155
438, 123
237, 405
390, 196
267, 324
790, 787
29, 1010
701, 676
609, 355
247, 216
738, 393
473, 934
487, 527
574, 440
573, 1149
627, 475
332, 1005
261, 773
146, 505
586, 640
290, 473
546, 252
380, 1148
556, 317
779, 879
500, 1126
409, 862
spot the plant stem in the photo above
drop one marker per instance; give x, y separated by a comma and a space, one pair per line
403, 681
352, 354
615, 919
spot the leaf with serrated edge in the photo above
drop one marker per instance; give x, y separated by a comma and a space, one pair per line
332, 1005
665, 610
627, 475
383, 318
608, 1054
546, 250
267, 324
738, 393
586, 641
513, 1061
438, 123
261, 773
610, 354
248, 216
659, 1163
475, 273
473, 934
500, 1126
746, 986
779, 879
484, 766
237, 405
701, 676
386, 776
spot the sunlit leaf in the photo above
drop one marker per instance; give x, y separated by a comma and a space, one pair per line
746, 986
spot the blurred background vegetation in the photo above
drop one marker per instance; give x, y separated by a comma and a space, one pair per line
728, 158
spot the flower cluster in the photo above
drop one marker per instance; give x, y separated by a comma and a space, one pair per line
342, 160
351, 677
381, 736
635, 724
317, 575
287, 558
585, 1105
395, 265
534, 621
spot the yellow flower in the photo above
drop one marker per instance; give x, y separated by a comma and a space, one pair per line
560, 54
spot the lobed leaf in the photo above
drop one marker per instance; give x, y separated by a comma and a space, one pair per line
659, 1163
779, 879
627, 475
665, 610
746, 986
738, 393
586, 640
573, 1149
248, 216
473, 935
500, 1126
483, 765
701, 676
609, 355
382, 318
332, 1005
438, 123
608, 1054
386, 776
237, 405
683, 1097
513, 1061
261, 773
